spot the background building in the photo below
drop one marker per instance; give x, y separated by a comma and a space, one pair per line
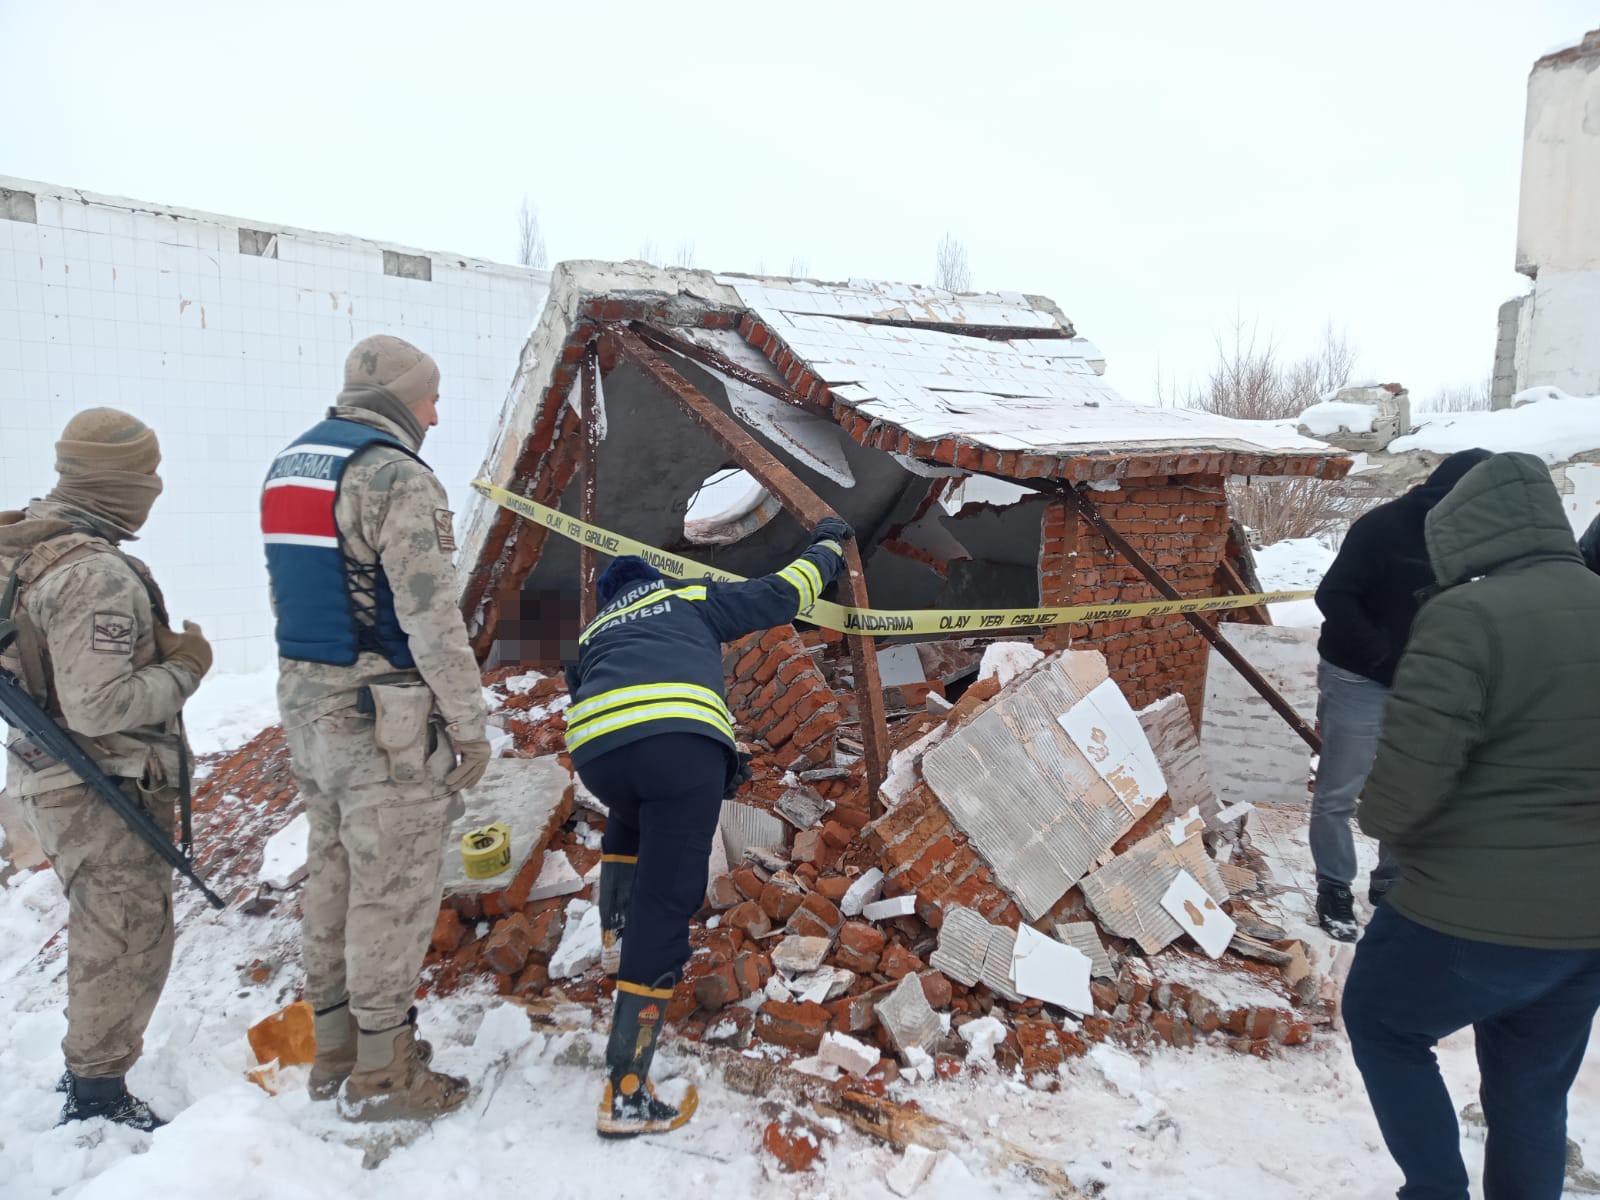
228, 336
1549, 336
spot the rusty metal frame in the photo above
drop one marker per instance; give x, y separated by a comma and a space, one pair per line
660, 339
801, 502
1091, 513
588, 560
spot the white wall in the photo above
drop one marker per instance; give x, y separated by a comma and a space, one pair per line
1563, 328
1558, 220
1250, 750
227, 356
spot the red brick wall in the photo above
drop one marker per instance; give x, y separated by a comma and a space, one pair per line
1181, 526
780, 700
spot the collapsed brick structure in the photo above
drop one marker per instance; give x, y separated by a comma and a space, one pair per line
887, 404
973, 445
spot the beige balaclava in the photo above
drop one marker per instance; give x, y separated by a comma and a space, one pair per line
387, 375
106, 461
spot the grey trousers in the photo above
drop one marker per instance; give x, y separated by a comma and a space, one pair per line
1350, 712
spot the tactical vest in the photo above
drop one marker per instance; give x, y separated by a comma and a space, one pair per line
330, 607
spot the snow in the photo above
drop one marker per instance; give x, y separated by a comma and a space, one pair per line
1334, 416
1294, 566
283, 860
1202, 1124
1546, 422
228, 710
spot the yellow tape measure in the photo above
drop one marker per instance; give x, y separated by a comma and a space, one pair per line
486, 852
873, 622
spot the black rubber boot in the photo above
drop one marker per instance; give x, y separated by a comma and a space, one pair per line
106, 1097
1336, 913
616, 891
630, 1106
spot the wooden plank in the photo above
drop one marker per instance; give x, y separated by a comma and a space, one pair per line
588, 560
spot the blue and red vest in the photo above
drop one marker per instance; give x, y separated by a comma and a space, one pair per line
330, 608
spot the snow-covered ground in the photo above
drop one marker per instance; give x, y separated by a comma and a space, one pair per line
1547, 422
1296, 565
1205, 1124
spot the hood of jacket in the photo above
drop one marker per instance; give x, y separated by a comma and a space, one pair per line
1505, 511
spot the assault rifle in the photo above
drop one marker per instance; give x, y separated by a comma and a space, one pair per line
20, 711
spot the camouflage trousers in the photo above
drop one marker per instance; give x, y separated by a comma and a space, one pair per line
373, 866
119, 921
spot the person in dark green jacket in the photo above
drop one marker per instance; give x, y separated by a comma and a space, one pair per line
1487, 789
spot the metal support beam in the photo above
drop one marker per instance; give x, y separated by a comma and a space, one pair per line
801, 502
660, 339
1091, 513
588, 561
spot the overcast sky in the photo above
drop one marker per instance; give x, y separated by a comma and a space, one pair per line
1155, 168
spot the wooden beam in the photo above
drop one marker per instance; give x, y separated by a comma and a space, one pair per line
800, 502
1282, 707
588, 561
660, 339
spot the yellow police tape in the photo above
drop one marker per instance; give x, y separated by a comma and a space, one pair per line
486, 852
873, 622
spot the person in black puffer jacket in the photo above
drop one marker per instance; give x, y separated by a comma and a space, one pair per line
1589, 546
1368, 599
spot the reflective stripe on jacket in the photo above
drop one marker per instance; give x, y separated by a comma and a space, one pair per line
651, 661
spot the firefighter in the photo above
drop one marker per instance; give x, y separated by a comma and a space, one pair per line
650, 735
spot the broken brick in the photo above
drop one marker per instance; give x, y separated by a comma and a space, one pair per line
860, 947
749, 882
723, 893
781, 896
508, 946
797, 1026
817, 916
833, 887
717, 990
545, 930
897, 962
937, 989
448, 931
795, 1146
749, 919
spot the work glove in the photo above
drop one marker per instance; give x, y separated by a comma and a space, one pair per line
474, 758
189, 648
832, 529
740, 777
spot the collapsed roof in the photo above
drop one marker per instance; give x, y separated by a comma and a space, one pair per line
875, 395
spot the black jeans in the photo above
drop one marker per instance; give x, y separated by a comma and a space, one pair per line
665, 797
1531, 1011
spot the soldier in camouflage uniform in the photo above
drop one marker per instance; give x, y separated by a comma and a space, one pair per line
382, 705
94, 649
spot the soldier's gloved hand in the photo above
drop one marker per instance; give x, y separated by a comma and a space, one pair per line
189, 648
739, 778
832, 529
474, 761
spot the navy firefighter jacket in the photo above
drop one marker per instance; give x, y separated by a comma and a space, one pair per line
651, 661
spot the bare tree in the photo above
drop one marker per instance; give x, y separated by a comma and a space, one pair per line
1462, 397
685, 254
799, 265
951, 271
647, 251
530, 241
1250, 382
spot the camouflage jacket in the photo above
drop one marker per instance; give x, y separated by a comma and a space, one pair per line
90, 622
392, 509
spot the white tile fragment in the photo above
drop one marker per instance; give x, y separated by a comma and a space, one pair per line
1202, 917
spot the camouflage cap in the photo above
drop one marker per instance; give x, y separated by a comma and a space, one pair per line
392, 363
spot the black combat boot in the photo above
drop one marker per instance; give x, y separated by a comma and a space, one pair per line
1336, 913
629, 1105
108, 1097
616, 890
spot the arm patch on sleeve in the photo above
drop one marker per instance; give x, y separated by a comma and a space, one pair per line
444, 527
113, 633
